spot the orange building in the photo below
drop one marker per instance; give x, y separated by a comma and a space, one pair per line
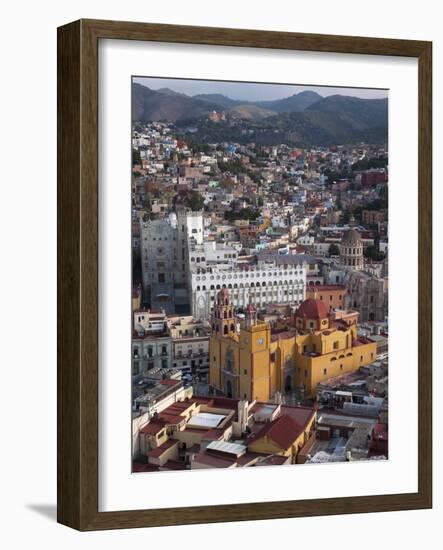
332, 296
248, 362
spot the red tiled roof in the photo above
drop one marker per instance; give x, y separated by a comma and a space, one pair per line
301, 415
214, 461
315, 288
170, 382
174, 420
144, 467
155, 453
213, 435
283, 431
173, 465
273, 460
152, 428
284, 335
312, 309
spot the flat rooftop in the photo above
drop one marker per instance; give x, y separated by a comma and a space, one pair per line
206, 420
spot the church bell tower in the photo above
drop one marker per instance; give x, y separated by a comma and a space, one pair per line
223, 322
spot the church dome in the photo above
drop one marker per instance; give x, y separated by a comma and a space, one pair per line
223, 297
351, 238
312, 309
223, 293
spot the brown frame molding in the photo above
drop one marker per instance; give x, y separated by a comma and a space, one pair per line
77, 479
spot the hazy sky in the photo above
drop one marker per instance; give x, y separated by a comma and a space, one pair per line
251, 91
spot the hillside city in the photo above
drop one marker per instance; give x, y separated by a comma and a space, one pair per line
259, 299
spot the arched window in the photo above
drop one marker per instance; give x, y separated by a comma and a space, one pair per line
225, 329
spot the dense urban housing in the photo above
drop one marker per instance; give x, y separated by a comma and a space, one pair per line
260, 279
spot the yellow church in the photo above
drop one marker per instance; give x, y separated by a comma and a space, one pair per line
247, 361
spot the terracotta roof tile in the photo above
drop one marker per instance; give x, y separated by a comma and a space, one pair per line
283, 431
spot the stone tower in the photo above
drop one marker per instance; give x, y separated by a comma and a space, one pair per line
223, 322
351, 250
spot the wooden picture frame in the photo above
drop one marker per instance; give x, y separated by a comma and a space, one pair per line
78, 273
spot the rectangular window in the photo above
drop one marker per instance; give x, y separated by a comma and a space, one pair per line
161, 277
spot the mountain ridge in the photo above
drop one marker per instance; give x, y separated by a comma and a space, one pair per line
308, 120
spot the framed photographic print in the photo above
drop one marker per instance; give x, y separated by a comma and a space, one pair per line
244, 275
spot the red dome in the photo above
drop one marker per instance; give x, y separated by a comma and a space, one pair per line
312, 309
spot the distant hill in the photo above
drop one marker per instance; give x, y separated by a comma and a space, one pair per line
170, 92
150, 105
301, 129
218, 99
302, 119
317, 127
359, 113
295, 103
249, 112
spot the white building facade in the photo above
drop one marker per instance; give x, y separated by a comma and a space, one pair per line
260, 286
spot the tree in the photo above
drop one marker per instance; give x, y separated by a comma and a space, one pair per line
243, 214
346, 216
195, 201
333, 250
372, 253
